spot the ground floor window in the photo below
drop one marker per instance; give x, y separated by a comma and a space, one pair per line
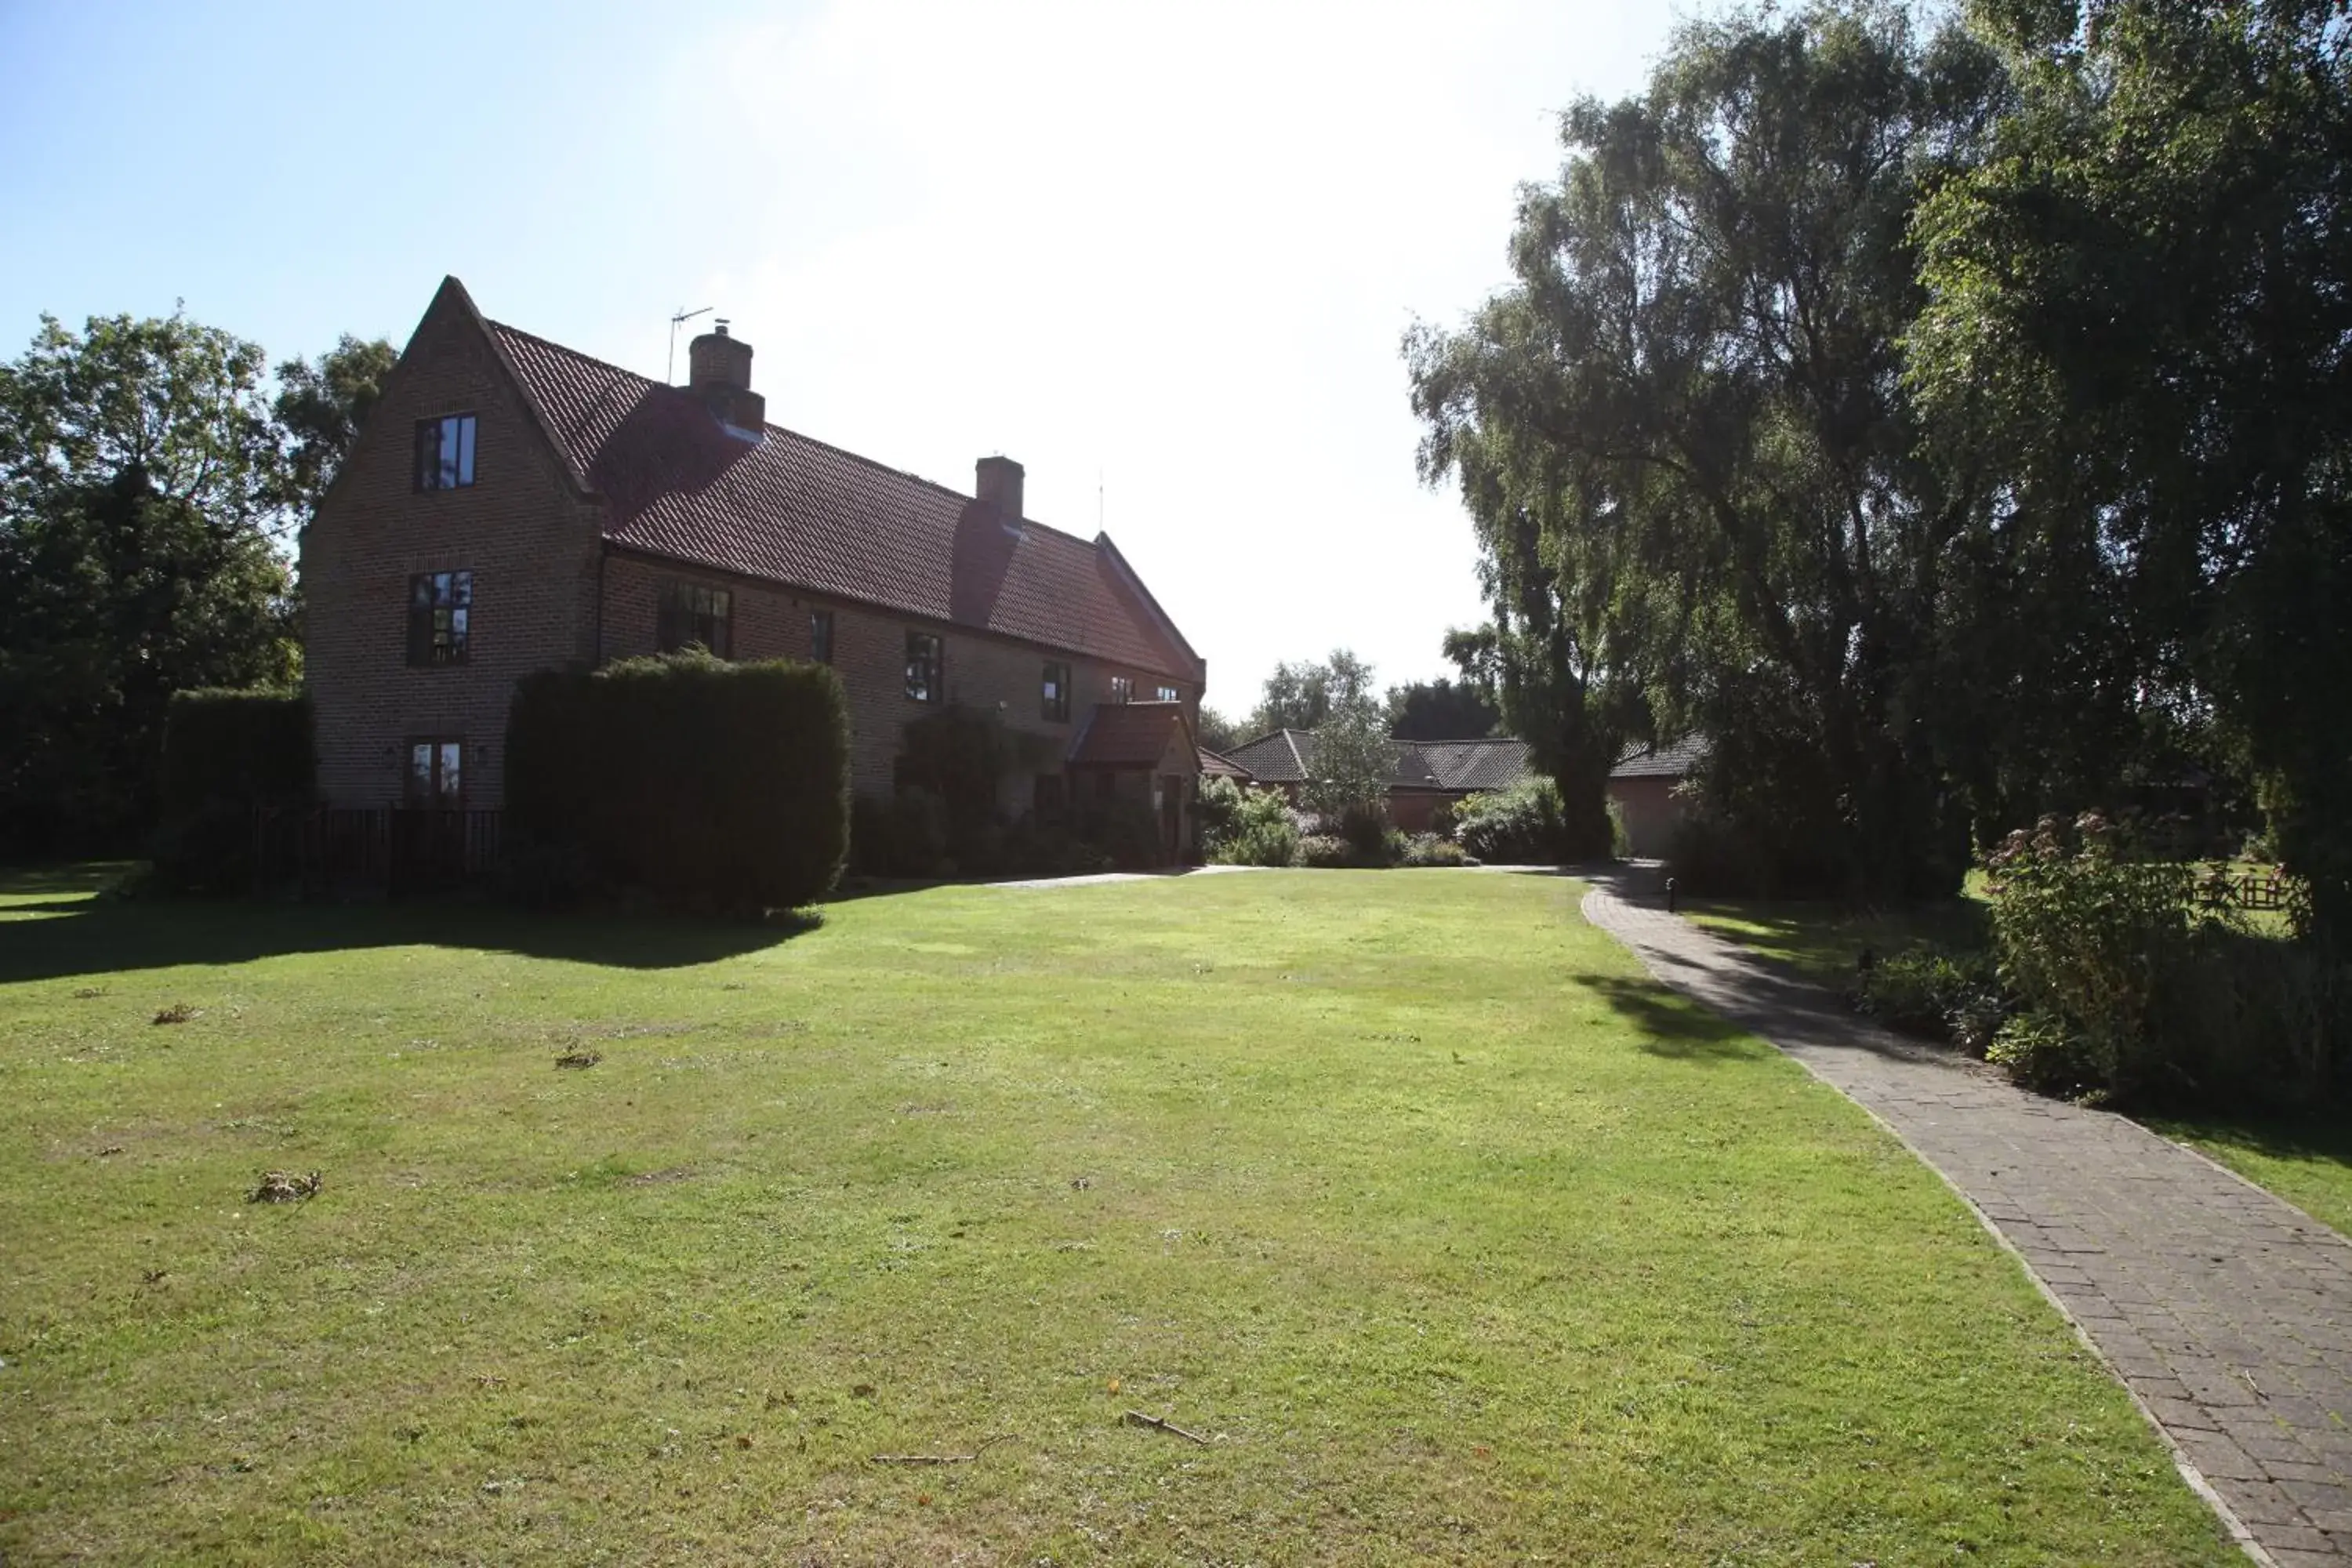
436, 771
695, 612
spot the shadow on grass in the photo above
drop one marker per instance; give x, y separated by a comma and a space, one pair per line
1671, 1025
103, 935
2315, 1138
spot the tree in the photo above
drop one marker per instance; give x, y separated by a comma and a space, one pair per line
1216, 731
1440, 709
138, 476
319, 407
1683, 436
1301, 696
1353, 762
2138, 313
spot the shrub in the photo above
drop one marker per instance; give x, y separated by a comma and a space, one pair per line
1262, 832
1935, 992
227, 754
1429, 849
1124, 831
1523, 824
2040, 1051
707, 784
1219, 810
2085, 927
958, 756
1326, 851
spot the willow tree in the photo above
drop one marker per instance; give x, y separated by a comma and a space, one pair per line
1684, 434
2141, 307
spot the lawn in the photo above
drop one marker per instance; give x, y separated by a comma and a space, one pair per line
1454, 1237
2307, 1160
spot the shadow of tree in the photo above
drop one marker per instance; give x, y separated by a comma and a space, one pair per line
2285, 1136
1673, 1025
100, 935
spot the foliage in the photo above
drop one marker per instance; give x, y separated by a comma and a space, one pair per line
1354, 759
706, 784
1522, 826
1259, 829
1694, 471
2138, 300
2087, 928
1429, 849
1326, 852
1302, 696
137, 467
320, 406
1939, 993
1123, 830
227, 754
1440, 710
1217, 732
959, 757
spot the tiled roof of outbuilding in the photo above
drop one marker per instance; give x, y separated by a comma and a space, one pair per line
1455, 767
1215, 766
797, 512
1470, 765
1131, 735
1677, 761
1282, 757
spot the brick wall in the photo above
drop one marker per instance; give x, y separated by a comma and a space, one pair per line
529, 543
869, 650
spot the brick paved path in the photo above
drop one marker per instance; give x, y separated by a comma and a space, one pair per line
2227, 1312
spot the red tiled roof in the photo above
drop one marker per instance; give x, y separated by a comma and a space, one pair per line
800, 513
1279, 758
1131, 734
1453, 767
1215, 766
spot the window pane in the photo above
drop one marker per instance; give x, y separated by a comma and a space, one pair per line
420, 771
451, 760
466, 451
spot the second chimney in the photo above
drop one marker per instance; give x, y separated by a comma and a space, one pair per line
719, 370
999, 485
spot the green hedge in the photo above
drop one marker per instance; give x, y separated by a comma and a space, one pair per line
706, 784
226, 753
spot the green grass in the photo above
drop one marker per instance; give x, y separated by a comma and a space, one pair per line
1459, 1239
2307, 1161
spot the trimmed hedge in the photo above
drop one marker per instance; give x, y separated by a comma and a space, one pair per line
225, 755
706, 784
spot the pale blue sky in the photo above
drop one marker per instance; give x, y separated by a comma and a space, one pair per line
1171, 246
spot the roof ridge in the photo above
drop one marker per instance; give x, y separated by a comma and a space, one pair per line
859, 457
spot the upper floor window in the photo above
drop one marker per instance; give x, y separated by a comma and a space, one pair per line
440, 607
820, 635
1122, 689
923, 667
1166, 694
444, 452
692, 613
1053, 692
437, 772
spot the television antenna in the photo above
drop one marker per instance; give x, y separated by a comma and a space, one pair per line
669, 372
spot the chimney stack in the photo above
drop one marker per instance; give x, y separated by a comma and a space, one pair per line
719, 370
999, 485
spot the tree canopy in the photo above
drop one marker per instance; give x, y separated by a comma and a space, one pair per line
1949, 422
144, 478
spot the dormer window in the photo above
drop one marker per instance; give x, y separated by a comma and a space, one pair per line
444, 452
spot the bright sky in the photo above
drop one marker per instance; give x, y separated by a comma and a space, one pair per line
1162, 256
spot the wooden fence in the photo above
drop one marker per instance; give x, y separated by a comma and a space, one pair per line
391, 850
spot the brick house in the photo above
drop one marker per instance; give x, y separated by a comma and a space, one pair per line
513, 505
